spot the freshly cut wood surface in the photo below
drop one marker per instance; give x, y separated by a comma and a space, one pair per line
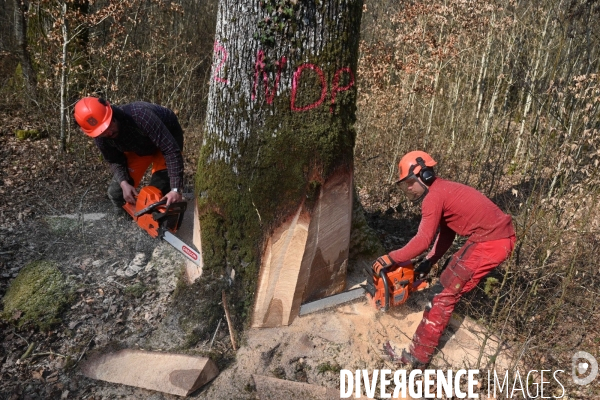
169, 373
193, 271
329, 239
280, 273
306, 258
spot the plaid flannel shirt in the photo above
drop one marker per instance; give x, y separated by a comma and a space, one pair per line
156, 129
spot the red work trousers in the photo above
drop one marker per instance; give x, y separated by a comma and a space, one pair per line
464, 271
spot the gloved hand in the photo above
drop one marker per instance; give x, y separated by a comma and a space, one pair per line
382, 262
423, 269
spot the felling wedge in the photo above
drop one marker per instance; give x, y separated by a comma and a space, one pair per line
151, 214
390, 288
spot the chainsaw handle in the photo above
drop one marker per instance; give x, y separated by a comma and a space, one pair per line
383, 275
150, 208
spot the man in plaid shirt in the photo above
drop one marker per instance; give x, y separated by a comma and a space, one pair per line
131, 137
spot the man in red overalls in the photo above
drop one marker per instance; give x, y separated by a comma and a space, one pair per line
447, 208
132, 137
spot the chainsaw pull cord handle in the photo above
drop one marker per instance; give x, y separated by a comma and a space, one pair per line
383, 275
150, 207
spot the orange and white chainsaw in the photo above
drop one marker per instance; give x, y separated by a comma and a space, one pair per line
160, 221
390, 288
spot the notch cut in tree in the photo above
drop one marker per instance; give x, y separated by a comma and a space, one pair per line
276, 167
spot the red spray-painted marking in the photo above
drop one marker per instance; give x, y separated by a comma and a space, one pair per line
335, 89
259, 67
270, 93
218, 48
295, 81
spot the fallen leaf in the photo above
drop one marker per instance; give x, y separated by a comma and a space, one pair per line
16, 315
38, 375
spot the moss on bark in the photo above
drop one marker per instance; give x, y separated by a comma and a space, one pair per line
287, 156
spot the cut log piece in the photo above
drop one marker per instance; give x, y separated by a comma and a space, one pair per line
306, 258
268, 388
169, 373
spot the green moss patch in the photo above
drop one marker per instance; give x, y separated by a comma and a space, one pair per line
136, 290
363, 239
491, 285
328, 367
32, 134
38, 295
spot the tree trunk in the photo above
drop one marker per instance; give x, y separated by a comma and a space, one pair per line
275, 171
63, 78
23, 50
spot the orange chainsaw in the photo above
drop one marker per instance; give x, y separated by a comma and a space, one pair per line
393, 285
160, 221
390, 288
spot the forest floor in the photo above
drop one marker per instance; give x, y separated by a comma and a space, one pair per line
53, 207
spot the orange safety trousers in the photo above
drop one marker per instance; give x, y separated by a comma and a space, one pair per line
137, 165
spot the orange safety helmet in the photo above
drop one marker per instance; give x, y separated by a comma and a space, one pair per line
93, 115
409, 165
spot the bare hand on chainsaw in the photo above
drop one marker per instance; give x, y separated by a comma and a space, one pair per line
172, 197
129, 192
384, 261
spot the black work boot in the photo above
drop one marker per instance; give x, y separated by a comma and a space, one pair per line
115, 194
409, 360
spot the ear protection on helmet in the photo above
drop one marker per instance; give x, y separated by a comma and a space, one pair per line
426, 173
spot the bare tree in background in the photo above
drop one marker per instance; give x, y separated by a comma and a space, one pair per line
20, 9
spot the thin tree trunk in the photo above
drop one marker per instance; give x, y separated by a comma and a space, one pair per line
63, 78
392, 170
534, 76
452, 124
500, 78
29, 75
482, 75
435, 89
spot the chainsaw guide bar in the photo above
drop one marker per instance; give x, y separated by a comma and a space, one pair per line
152, 215
390, 287
331, 301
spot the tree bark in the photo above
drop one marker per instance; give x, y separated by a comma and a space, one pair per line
23, 49
275, 171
